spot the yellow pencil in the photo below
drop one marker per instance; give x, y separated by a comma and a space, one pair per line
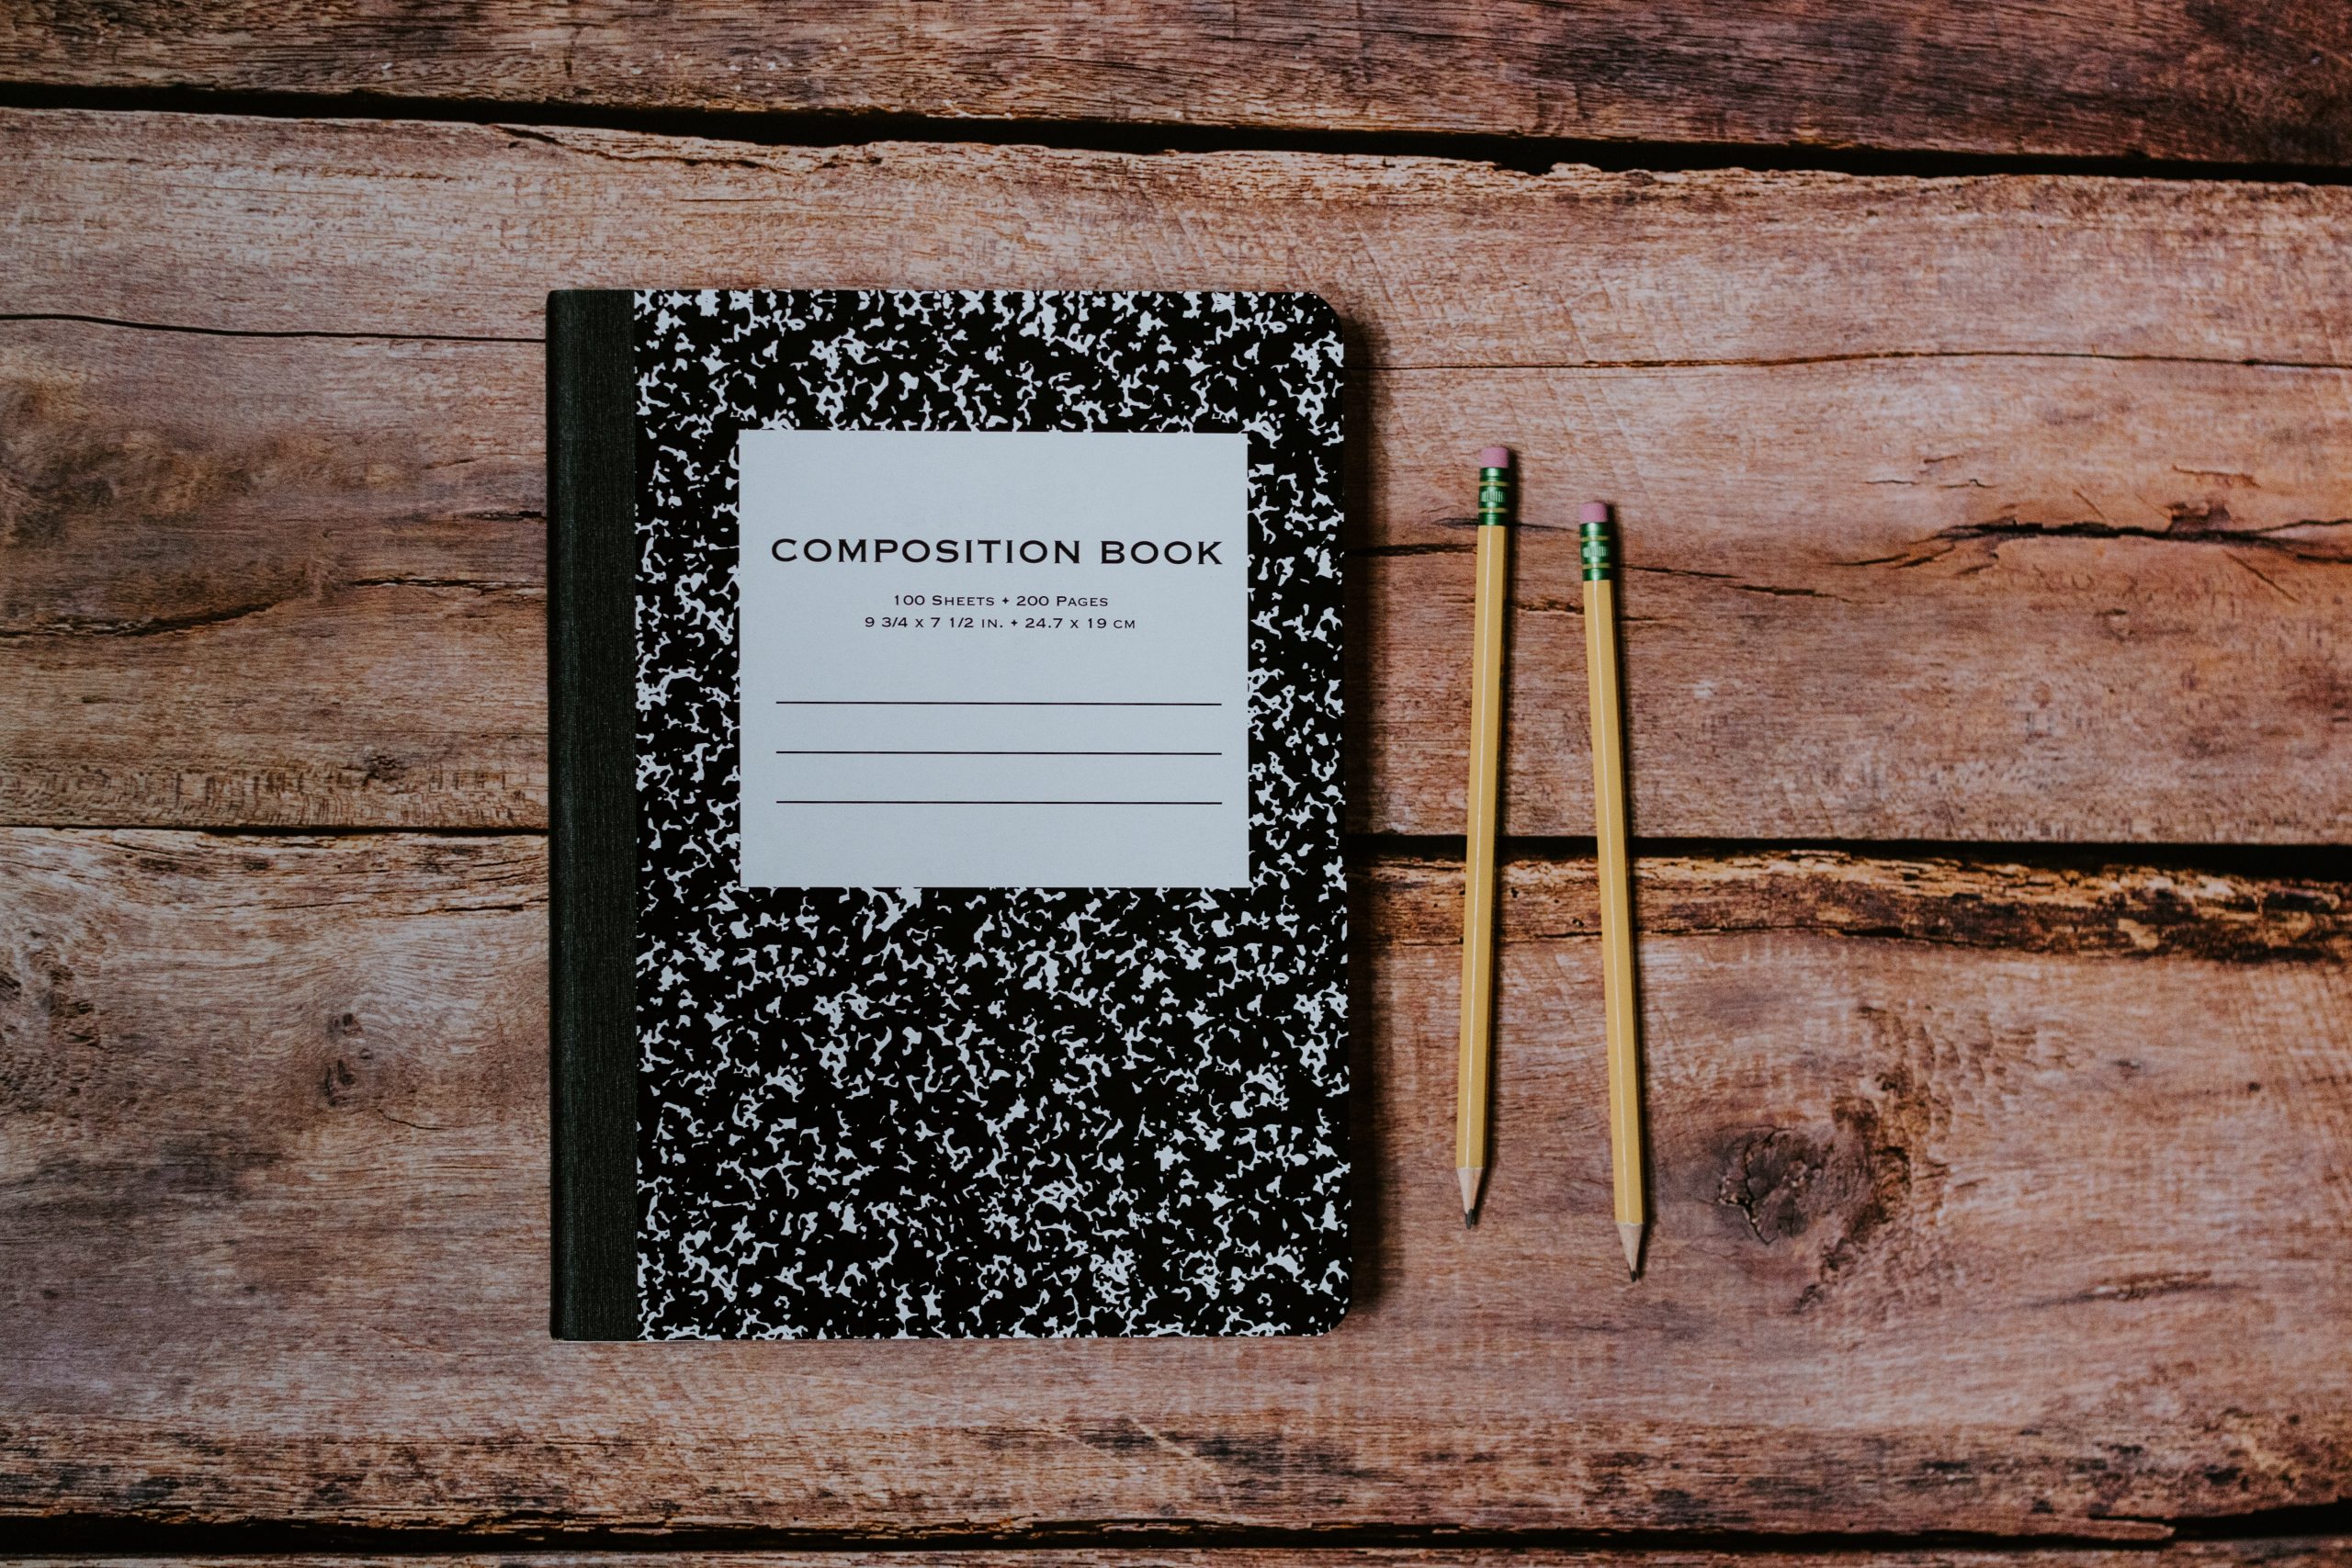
1479, 870
1598, 549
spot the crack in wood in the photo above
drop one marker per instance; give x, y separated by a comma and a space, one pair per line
78, 318
2191, 524
1367, 365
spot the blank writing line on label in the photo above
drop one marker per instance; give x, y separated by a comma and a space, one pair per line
800, 751
999, 802
965, 703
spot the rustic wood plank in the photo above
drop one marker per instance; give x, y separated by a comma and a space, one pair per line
2317, 1552
315, 593
452, 230
1955, 509
2173, 79
211, 619
1989, 1198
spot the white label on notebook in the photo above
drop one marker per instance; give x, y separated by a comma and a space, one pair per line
993, 659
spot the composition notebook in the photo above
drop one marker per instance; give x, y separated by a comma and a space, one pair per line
949, 919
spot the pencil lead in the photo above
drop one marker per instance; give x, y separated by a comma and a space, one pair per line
1631, 1234
1471, 1176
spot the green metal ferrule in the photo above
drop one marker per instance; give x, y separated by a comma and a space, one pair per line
1494, 497
1597, 543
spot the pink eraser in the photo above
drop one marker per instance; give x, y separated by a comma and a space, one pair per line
1594, 512
1494, 457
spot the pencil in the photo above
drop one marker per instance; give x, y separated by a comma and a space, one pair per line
1599, 548
1479, 869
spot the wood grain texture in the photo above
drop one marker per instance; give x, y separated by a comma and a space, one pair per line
2316, 1552
1989, 508
2232, 80
1987, 1198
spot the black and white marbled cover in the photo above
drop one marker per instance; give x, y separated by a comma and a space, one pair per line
877, 1113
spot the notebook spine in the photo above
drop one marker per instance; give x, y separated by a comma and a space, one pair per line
592, 681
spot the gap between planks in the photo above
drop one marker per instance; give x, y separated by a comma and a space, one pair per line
105, 1545
2192, 83
1518, 154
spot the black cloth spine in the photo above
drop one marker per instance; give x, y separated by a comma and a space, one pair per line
592, 673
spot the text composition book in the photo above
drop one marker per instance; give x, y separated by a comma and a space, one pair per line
949, 914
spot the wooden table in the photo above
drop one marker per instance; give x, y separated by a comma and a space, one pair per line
1987, 497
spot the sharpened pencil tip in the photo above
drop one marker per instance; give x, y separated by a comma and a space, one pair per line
1471, 1176
1631, 1234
